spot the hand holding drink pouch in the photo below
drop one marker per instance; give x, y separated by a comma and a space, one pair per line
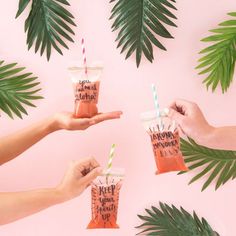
86, 89
105, 199
165, 142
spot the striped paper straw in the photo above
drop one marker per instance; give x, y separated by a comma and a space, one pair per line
155, 97
154, 91
111, 156
84, 57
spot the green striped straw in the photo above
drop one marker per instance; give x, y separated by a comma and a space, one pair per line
111, 156
155, 97
154, 92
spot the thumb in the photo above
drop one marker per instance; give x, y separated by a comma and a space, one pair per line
92, 175
175, 115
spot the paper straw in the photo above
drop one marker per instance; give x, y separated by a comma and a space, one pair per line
154, 91
155, 97
84, 57
111, 156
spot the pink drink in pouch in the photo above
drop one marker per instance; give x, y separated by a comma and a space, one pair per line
105, 200
165, 142
86, 89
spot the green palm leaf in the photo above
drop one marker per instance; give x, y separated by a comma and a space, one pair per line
48, 25
16, 90
219, 59
220, 165
139, 22
171, 221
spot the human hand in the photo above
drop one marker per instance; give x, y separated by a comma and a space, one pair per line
67, 121
190, 119
78, 177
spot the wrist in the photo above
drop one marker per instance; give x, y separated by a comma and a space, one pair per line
59, 195
63, 194
207, 137
52, 124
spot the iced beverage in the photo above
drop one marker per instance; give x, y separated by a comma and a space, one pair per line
166, 148
86, 89
86, 99
165, 142
105, 200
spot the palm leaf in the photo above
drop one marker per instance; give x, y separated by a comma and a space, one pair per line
16, 90
220, 165
219, 59
139, 22
171, 221
47, 25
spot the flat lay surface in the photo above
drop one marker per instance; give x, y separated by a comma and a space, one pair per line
123, 87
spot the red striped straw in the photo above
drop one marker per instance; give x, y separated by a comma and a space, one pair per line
84, 57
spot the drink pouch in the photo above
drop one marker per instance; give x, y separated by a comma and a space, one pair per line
105, 191
165, 142
86, 89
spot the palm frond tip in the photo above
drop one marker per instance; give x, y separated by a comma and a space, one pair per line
169, 220
48, 25
17, 90
218, 63
220, 164
139, 23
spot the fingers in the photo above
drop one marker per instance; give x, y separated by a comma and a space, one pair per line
183, 106
83, 123
78, 124
83, 166
180, 102
106, 116
92, 175
175, 115
87, 163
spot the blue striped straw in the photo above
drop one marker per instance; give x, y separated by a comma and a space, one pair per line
157, 106
154, 91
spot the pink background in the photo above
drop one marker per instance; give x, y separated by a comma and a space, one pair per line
123, 87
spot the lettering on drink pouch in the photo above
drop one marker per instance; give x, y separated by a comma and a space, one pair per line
86, 89
86, 98
166, 148
105, 200
165, 142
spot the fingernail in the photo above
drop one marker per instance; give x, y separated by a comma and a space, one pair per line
99, 169
166, 111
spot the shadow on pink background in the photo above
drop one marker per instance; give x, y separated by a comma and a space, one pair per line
122, 87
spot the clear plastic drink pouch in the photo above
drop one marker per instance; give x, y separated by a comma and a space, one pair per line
165, 142
105, 191
86, 88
